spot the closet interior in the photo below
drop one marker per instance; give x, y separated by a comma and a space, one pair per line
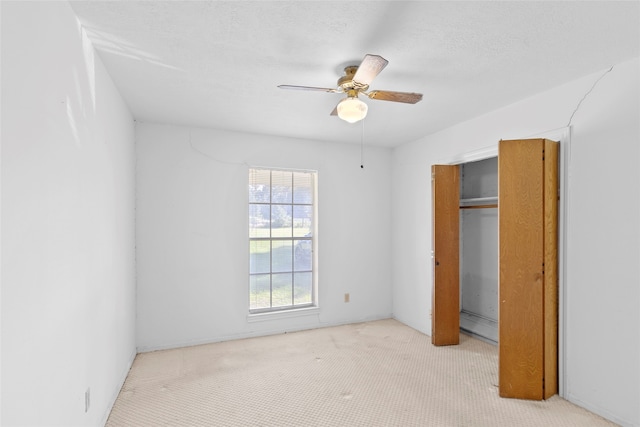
479, 249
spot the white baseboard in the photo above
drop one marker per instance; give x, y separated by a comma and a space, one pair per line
600, 411
479, 326
261, 333
116, 392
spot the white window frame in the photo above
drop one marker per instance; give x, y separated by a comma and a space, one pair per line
293, 308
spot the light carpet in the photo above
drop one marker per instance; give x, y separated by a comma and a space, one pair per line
380, 373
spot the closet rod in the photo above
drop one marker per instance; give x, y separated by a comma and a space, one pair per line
479, 207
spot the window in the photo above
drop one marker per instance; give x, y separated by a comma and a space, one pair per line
281, 228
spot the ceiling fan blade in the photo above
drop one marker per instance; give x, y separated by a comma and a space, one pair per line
369, 68
385, 95
335, 111
317, 89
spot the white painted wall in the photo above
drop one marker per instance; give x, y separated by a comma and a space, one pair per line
603, 228
68, 273
192, 233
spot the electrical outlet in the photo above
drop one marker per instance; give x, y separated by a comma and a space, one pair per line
346, 297
87, 399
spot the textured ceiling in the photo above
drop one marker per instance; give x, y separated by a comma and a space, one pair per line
218, 64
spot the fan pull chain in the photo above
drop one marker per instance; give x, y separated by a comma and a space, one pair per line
362, 146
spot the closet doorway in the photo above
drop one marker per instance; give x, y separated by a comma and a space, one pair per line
527, 241
465, 216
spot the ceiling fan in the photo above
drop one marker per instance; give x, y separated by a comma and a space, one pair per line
356, 81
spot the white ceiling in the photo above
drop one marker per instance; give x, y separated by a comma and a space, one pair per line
218, 63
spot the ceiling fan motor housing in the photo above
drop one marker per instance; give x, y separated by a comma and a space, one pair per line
347, 83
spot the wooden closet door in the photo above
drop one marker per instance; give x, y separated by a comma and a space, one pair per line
445, 320
551, 197
527, 228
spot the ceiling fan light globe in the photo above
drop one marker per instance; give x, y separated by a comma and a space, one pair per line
352, 110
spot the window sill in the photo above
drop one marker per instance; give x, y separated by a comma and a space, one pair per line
284, 314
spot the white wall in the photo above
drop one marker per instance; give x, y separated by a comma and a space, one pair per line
192, 233
68, 273
603, 228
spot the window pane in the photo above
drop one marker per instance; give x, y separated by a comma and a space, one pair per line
302, 188
281, 186
303, 284
302, 255
302, 221
259, 186
259, 220
282, 255
259, 256
281, 220
282, 290
259, 291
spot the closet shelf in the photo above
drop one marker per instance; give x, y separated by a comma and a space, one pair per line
493, 199
479, 203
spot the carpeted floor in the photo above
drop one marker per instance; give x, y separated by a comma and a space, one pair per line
380, 373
